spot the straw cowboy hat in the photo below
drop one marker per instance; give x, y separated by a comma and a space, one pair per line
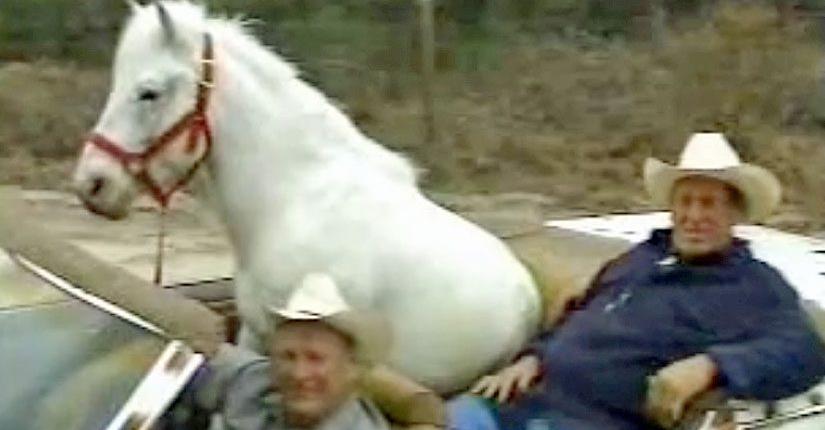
316, 298
710, 155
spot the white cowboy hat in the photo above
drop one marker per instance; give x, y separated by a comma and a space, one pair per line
710, 155
316, 298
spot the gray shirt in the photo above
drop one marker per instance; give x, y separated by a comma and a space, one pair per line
237, 385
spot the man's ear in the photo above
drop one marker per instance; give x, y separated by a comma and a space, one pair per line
740, 216
738, 213
268, 342
356, 371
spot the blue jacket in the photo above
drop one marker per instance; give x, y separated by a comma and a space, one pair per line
649, 310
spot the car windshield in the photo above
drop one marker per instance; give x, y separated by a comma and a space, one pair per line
66, 364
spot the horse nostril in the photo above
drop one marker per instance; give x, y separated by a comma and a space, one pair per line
97, 185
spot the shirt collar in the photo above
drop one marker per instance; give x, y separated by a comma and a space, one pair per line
660, 240
352, 414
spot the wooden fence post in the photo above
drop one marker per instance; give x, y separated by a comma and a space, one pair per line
427, 20
658, 22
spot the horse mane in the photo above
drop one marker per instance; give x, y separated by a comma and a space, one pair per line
274, 72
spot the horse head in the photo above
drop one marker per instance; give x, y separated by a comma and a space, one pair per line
154, 130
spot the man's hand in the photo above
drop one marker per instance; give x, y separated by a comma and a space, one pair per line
674, 386
209, 347
511, 380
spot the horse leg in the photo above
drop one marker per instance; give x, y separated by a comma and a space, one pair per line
250, 339
401, 399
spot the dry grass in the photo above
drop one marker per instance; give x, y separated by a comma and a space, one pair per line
571, 120
577, 122
46, 108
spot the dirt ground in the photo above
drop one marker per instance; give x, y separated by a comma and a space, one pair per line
196, 247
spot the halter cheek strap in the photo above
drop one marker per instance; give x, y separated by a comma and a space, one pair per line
195, 123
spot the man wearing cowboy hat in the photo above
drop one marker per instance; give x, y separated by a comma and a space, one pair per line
687, 311
317, 351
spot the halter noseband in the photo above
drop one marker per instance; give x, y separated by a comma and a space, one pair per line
195, 122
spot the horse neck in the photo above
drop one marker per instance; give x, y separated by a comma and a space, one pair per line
272, 133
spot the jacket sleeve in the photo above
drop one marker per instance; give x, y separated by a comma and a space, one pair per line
236, 384
783, 356
537, 346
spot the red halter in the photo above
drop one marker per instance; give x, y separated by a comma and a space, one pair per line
195, 122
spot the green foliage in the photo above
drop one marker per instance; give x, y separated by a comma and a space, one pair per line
810, 4
60, 29
85, 30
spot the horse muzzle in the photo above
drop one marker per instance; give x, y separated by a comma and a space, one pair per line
102, 186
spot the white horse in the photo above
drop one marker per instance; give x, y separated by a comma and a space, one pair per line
301, 189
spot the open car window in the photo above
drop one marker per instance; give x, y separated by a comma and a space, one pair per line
68, 364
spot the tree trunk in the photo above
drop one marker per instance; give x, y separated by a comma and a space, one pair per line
427, 15
658, 22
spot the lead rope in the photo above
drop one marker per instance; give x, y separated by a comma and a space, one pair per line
159, 251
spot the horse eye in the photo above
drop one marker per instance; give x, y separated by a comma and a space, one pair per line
148, 95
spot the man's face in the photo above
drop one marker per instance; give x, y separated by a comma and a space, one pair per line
703, 216
314, 370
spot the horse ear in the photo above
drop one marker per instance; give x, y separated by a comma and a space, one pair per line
133, 6
165, 22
